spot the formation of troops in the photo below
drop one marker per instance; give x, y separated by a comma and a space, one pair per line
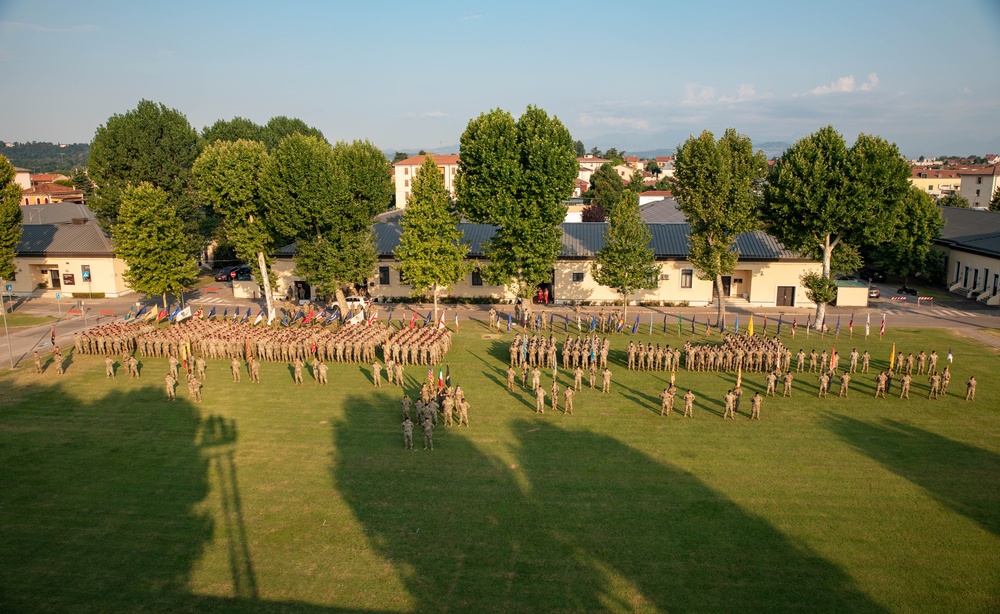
187, 345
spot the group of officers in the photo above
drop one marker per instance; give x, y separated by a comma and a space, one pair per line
447, 401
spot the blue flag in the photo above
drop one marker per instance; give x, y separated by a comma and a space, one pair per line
173, 316
593, 323
693, 318
736, 328
430, 315
141, 311
779, 325
636, 325
508, 322
225, 313
211, 314
838, 326
284, 318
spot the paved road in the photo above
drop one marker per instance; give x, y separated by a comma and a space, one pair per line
962, 315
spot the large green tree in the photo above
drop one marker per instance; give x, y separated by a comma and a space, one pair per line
229, 178
954, 200
149, 144
717, 190
822, 196
369, 175
918, 222
233, 130
516, 175
606, 189
626, 263
431, 253
10, 218
151, 238
309, 200
277, 128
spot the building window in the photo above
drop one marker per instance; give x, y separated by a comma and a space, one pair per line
577, 277
406, 183
687, 278
85, 272
383, 276
930, 188
406, 171
958, 269
979, 179
477, 278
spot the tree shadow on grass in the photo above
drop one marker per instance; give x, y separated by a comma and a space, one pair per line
579, 522
961, 476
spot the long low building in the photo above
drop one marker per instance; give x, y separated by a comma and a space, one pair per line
970, 241
767, 274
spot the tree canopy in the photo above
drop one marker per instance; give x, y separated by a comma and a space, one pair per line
229, 178
270, 134
606, 187
10, 218
309, 200
369, 175
954, 200
626, 263
430, 252
516, 175
717, 190
918, 222
995, 200
822, 196
149, 144
151, 238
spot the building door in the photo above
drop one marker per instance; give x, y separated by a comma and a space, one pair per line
303, 291
786, 296
965, 280
727, 285
56, 281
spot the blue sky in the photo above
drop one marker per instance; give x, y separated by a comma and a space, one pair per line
636, 76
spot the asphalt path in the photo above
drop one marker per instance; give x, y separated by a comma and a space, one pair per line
965, 316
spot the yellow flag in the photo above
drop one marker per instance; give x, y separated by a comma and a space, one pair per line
750, 327
892, 356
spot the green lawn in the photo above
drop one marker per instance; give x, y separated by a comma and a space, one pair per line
279, 498
15, 320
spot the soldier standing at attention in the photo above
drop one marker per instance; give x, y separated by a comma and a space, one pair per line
905, 382
568, 405
235, 366
539, 400
555, 395
322, 373
689, 404
463, 412
511, 374
945, 380
578, 378
399, 374
390, 370
606, 380
788, 384
854, 359
935, 381
428, 434
297, 370
593, 375
755, 407
772, 380
845, 381
200, 365
865, 359
377, 374
880, 385
524, 375
663, 401
172, 361
536, 378
109, 367
133, 367
171, 383
800, 361
730, 401
254, 370
407, 433
406, 406
970, 389
932, 364
824, 383
447, 407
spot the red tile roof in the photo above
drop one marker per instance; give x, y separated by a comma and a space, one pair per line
441, 160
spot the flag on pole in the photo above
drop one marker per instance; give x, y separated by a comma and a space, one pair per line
211, 313
173, 316
140, 312
868, 324
183, 314
225, 313
246, 316
764, 327
579, 325
552, 318
441, 321
201, 313
779, 324
305, 320
693, 319
374, 317
892, 356
822, 326
736, 327
664, 323
333, 316
237, 314
447, 376
621, 323
808, 324
636, 325
708, 325
593, 322
413, 320
456, 321
130, 314
284, 318
650, 322
427, 322
440, 378
836, 334
850, 326
750, 326
430, 374
680, 323
151, 315
882, 330
259, 318
795, 324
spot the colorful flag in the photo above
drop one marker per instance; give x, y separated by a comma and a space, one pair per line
836, 333
750, 326
151, 315
693, 318
621, 323
779, 324
882, 331
795, 323
260, 316
430, 375
456, 321
708, 325
225, 313
440, 378
173, 316
441, 321
764, 327
850, 325
447, 376
131, 312
211, 313
636, 325
284, 318
374, 317
593, 323
201, 313
183, 314
736, 327
413, 320
427, 322
140, 312
892, 356
305, 320
237, 314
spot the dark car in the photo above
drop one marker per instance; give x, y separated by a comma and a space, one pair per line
871, 275
224, 273
242, 273
907, 290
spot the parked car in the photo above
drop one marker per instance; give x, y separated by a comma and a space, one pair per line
874, 293
871, 275
223, 274
356, 302
906, 290
243, 273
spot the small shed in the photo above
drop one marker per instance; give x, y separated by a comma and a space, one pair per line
851, 293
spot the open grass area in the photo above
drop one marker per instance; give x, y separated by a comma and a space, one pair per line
277, 498
15, 320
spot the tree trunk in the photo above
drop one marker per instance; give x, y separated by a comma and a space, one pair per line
721, 317
434, 291
164, 301
266, 284
827, 256
341, 303
625, 307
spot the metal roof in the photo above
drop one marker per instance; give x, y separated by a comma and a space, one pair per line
64, 239
971, 230
55, 213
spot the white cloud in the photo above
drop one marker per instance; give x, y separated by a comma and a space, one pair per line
696, 94
472, 17
11, 26
966, 90
635, 123
846, 85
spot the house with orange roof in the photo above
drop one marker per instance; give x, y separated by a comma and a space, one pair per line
979, 185
405, 170
937, 182
46, 193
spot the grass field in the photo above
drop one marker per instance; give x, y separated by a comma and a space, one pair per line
277, 498
15, 320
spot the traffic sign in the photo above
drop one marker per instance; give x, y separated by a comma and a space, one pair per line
10, 287
58, 296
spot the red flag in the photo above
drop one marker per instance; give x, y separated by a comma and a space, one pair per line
440, 378
456, 321
413, 320
441, 321
882, 331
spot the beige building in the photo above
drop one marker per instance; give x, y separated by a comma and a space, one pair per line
405, 170
937, 182
970, 241
62, 249
979, 185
